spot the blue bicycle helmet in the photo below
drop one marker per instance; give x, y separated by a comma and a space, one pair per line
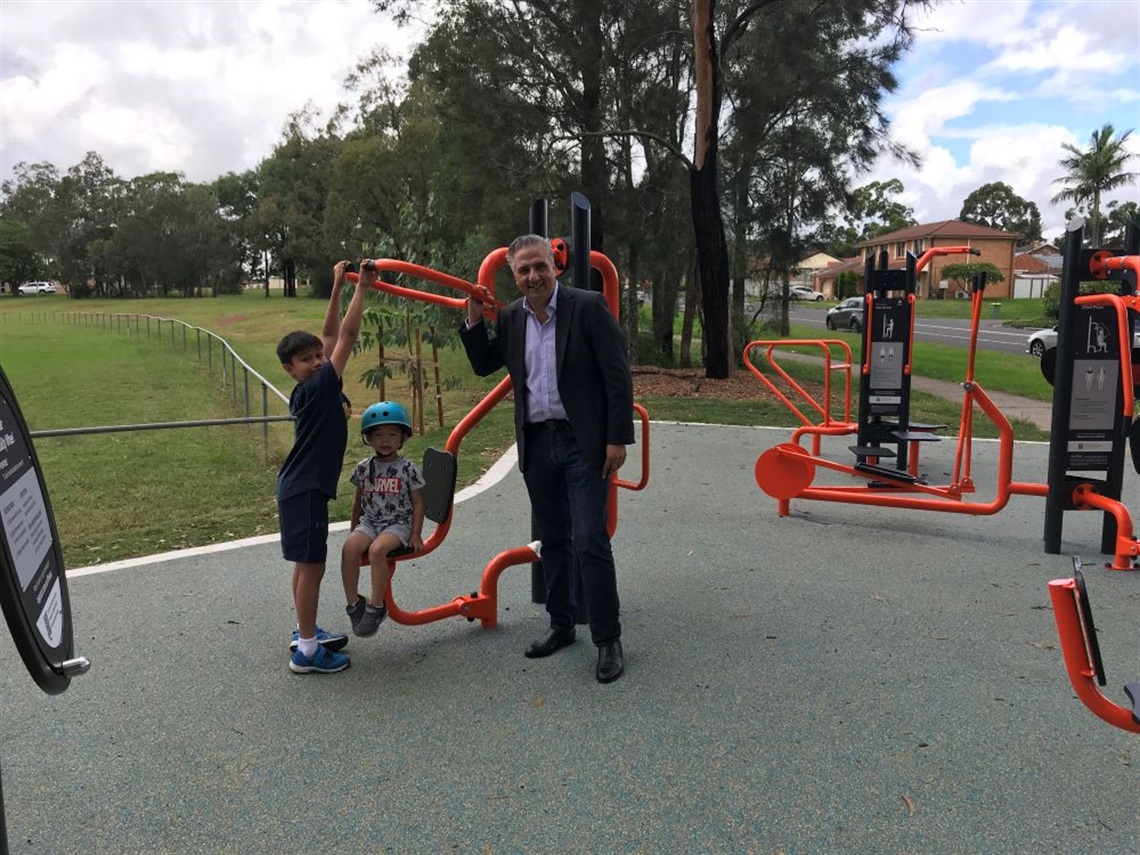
385, 413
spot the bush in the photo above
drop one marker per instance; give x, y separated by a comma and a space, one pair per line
1052, 300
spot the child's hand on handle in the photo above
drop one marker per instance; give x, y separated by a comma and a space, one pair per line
338, 273
367, 274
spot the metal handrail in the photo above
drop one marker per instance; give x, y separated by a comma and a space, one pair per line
226, 354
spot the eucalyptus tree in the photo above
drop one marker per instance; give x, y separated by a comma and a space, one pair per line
170, 237
1120, 216
1092, 172
18, 259
30, 197
293, 189
542, 86
869, 211
237, 195
70, 217
997, 206
86, 208
839, 42
800, 130
523, 86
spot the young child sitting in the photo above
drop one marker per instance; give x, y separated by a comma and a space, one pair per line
387, 513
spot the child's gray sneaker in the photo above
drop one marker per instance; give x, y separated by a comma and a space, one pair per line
356, 612
370, 621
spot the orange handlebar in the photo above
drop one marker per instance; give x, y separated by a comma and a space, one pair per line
924, 259
478, 292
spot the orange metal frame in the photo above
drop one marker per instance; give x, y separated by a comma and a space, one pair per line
1079, 660
786, 471
482, 605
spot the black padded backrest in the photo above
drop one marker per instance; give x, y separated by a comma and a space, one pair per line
439, 484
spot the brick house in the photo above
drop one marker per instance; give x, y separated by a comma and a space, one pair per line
996, 247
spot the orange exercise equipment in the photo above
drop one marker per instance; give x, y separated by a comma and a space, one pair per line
439, 466
787, 471
1079, 645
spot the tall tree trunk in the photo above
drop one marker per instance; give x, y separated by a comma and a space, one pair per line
739, 324
708, 222
595, 171
289, 274
632, 302
712, 268
692, 296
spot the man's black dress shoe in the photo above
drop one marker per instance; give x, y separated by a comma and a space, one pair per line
553, 642
610, 662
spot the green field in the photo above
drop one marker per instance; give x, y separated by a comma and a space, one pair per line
74, 364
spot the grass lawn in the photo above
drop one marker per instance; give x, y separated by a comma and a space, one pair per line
126, 494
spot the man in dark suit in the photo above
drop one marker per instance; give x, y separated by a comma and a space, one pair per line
573, 419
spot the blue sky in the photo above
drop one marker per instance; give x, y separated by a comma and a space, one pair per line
994, 88
990, 92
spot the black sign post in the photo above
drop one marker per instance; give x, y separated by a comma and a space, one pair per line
1090, 429
33, 587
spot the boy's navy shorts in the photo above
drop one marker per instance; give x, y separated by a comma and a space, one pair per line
304, 527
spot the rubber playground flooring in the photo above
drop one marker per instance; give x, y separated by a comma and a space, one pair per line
846, 679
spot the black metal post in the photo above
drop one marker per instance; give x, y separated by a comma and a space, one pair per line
580, 240
1055, 499
539, 213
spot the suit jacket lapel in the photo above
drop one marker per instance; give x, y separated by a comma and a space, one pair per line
562, 326
518, 339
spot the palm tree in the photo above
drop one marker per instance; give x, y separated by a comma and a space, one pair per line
1093, 172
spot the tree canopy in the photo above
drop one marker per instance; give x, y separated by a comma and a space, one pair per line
996, 205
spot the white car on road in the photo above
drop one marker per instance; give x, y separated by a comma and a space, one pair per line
1041, 341
37, 288
803, 292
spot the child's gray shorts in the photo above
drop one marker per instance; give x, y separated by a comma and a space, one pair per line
403, 532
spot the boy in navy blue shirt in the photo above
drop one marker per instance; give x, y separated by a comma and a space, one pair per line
309, 475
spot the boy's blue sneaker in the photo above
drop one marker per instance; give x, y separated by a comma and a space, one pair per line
322, 662
331, 641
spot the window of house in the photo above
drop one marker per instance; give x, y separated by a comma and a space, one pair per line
919, 246
900, 249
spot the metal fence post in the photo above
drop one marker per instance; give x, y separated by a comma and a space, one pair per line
265, 425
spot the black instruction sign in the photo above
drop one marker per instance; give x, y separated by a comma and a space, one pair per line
889, 333
1095, 396
33, 587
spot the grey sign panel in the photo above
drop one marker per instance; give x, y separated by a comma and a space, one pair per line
889, 332
1095, 400
33, 587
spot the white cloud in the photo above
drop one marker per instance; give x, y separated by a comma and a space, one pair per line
198, 87
990, 92
1017, 80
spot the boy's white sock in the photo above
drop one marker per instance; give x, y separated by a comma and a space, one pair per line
307, 646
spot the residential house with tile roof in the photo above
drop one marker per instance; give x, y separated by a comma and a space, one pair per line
995, 246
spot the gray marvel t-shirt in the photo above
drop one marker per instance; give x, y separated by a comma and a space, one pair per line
386, 490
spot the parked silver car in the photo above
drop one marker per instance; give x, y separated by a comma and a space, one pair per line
848, 315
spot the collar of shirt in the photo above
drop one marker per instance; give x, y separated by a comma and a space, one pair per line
551, 307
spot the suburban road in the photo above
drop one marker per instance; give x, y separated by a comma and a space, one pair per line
991, 334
